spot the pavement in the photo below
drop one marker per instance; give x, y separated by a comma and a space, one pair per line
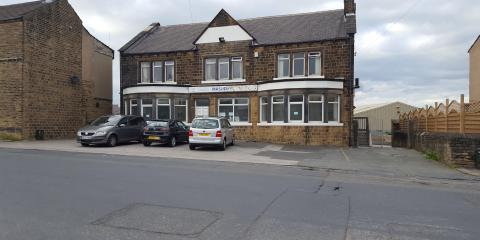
329, 194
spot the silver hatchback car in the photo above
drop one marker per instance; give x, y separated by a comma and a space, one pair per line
211, 132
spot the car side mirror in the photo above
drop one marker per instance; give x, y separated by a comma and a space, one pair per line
122, 125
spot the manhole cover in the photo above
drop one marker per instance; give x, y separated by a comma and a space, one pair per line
160, 219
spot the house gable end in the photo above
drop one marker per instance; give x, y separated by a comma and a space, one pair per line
223, 26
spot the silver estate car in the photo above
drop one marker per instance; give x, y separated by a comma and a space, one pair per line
211, 132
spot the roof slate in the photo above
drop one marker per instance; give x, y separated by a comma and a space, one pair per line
294, 28
15, 11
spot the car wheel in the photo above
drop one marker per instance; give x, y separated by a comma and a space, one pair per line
85, 145
147, 143
173, 141
192, 147
224, 145
112, 141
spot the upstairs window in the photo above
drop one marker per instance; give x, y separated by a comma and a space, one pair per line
237, 68
283, 65
314, 64
169, 71
158, 72
298, 64
224, 69
146, 72
210, 69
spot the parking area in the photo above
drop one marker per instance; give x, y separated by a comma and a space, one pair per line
388, 162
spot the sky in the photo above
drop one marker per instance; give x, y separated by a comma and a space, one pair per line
414, 51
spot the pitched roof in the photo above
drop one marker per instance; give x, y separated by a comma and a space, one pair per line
294, 28
369, 107
473, 45
16, 11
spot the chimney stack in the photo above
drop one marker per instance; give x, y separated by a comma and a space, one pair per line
350, 10
350, 7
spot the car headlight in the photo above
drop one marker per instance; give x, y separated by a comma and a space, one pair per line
79, 134
100, 133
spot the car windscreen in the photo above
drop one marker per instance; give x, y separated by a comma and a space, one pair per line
106, 121
158, 124
205, 123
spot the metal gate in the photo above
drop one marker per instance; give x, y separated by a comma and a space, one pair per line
361, 131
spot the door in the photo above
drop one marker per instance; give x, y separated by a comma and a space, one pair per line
122, 130
202, 107
182, 131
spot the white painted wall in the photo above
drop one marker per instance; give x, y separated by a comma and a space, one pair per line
230, 33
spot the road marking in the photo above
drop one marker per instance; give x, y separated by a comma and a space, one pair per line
346, 156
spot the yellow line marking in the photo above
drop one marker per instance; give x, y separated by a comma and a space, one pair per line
346, 156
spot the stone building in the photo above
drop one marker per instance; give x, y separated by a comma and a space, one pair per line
281, 79
54, 75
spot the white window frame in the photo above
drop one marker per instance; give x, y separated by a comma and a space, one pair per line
169, 63
220, 63
297, 59
133, 105
338, 109
278, 64
180, 105
278, 103
314, 55
141, 71
213, 61
261, 109
146, 105
237, 60
323, 107
125, 107
296, 103
164, 104
155, 65
233, 104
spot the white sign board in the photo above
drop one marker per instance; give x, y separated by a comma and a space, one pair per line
223, 89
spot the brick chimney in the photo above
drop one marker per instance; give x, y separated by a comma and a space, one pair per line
350, 7
350, 10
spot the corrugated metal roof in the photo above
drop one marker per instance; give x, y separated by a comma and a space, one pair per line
369, 107
294, 28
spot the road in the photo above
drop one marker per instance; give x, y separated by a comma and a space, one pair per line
67, 195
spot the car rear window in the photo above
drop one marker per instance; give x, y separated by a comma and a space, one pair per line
205, 123
158, 124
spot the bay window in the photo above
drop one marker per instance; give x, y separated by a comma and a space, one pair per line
169, 71
163, 108
283, 65
235, 109
314, 64
315, 108
237, 68
180, 107
210, 69
277, 108
298, 64
133, 107
333, 108
145, 72
158, 72
223, 68
295, 108
147, 108
263, 109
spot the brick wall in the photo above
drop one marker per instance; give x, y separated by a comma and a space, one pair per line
11, 65
53, 54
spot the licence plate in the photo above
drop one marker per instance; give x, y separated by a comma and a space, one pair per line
204, 134
153, 138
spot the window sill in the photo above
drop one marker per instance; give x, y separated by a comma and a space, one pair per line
241, 124
165, 83
311, 124
298, 77
224, 81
